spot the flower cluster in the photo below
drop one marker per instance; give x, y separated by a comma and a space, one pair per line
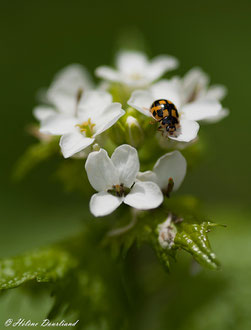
115, 118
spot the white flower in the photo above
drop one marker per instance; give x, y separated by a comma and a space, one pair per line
135, 70
189, 113
65, 91
115, 181
94, 114
168, 172
195, 85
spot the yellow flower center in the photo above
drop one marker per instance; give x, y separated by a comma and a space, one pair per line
135, 76
87, 127
119, 190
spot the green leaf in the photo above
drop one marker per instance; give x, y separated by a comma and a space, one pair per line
193, 239
43, 265
93, 292
34, 155
163, 257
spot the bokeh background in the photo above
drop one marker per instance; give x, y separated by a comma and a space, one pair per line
37, 39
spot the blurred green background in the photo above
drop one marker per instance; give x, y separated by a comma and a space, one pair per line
40, 37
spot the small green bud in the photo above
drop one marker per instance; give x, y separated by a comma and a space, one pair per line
134, 133
117, 133
96, 147
132, 112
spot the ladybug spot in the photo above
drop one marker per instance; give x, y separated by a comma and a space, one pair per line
160, 113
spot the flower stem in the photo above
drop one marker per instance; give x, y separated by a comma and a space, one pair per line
122, 230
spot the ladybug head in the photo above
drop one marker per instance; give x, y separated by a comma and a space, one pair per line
170, 124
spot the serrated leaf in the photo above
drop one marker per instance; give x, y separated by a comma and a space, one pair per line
193, 239
43, 266
34, 155
162, 256
93, 292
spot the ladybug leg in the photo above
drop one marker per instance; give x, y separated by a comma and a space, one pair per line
160, 129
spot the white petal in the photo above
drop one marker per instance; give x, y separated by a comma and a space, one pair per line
131, 62
147, 176
216, 92
64, 90
58, 124
92, 103
105, 72
64, 103
141, 101
74, 142
201, 110
222, 114
135, 81
169, 90
43, 112
70, 79
103, 203
195, 82
106, 118
159, 65
101, 172
172, 165
144, 196
187, 132
125, 159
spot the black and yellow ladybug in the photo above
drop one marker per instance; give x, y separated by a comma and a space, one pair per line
165, 112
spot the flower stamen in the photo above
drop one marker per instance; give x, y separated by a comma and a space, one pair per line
79, 94
119, 190
87, 127
135, 76
169, 187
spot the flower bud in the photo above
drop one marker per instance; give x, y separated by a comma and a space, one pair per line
117, 133
134, 133
166, 233
96, 147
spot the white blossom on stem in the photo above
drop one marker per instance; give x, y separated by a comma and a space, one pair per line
135, 70
115, 181
94, 113
189, 113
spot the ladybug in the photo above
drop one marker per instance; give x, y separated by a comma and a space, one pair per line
165, 112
